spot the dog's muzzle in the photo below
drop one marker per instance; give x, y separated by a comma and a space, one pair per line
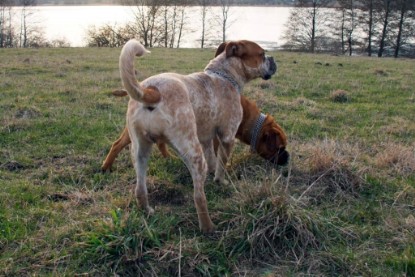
272, 68
281, 157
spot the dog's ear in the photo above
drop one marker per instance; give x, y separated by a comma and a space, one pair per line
272, 140
220, 49
272, 136
235, 49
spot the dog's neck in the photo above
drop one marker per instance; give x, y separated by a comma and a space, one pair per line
227, 77
250, 129
255, 131
228, 69
251, 114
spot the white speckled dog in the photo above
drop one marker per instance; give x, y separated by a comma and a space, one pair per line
188, 111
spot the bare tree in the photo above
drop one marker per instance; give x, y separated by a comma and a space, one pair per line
165, 12
204, 7
60, 42
109, 36
306, 24
6, 29
405, 14
173, 22
348, 24
30, 31
26, 25
146, 13
223, 18
386, 12
182, 20
368, 18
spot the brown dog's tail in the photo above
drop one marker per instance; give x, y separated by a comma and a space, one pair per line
149, 95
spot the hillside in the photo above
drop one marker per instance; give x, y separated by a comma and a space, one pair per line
344, 206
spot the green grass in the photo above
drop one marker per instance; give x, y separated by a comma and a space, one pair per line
343, 207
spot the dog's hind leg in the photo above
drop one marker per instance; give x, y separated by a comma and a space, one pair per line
191, 152
210, 155
140, 152
116, 148
223, 154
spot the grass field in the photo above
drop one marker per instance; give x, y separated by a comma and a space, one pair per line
344, 206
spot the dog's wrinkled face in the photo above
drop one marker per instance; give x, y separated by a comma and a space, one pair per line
272, 143
256, 63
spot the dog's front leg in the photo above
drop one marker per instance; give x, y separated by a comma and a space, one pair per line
140, 154
224, 151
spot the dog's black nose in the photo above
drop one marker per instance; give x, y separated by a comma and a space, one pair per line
272, 66
281, 158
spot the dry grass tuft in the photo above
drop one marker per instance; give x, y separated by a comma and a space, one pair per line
269, 225
340, 96
76, 198
399, 126
327, 167
397, 159
266, 85
27, 113
302, 101
380, 72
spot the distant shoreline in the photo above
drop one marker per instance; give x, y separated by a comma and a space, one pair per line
118, 4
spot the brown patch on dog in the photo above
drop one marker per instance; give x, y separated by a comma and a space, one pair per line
242, 48
272, 142
151, 95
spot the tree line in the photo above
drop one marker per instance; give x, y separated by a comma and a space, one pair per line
20, 27
190, 2
163, 23
371, 27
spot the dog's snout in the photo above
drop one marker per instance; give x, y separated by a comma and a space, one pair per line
271, 68
282, 157
272, 65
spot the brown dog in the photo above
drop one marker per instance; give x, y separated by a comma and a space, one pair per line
270, 143
188, 112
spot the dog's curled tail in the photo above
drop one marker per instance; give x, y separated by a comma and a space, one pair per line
149, 95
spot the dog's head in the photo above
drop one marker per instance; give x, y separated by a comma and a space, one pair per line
272, 142
253, 59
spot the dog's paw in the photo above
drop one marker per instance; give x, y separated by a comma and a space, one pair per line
221, 181
149, 210
106, 169
208, 229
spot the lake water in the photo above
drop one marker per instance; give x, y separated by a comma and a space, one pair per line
261, 24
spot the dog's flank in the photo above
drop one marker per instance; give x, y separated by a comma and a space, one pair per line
149, 95
271, 144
